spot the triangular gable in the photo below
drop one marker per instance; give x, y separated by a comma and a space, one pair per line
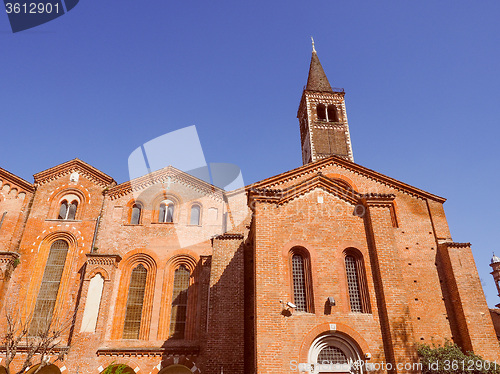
318, 166
334, 186
165, 175
75, 165
8, 177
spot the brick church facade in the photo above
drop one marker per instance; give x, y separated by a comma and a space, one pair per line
330, 262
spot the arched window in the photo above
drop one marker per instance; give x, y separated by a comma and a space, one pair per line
135, 217
47, 296
331, 355
166, 213
135, 300
356, 284
72, 210
67, 211
63, 210
332, 113
178, 316
195, 215
321, 111
301, 280
338, 351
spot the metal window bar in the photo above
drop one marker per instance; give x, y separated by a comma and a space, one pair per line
135, 300
332, 355
47, 296
299, 283
179, 303
353, 284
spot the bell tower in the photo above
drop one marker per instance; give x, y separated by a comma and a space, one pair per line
324, 131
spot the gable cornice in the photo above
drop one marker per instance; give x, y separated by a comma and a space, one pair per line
71, 166
318, 166
283, 196
161, 176
14, 179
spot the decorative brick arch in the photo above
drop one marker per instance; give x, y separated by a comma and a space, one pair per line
340, 329
177, 360
58, 196
155, 205
190, 260
120, 361
346, 181
95, 271
39, 267
132, 260
127, 215
52, 367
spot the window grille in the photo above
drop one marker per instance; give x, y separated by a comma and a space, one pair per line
179, 303
195, 215
47, 296
136, 215
299, 284
353, 284
135, 300
332, 355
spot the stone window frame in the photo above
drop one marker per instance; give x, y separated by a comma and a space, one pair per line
337, 340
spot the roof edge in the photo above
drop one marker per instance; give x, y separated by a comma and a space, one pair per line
12, 178
353, 167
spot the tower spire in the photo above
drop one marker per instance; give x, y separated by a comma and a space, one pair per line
317, 80
324, 131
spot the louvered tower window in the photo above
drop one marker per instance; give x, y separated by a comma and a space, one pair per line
299, 283
179, 303
47, 296
332, 355
353, 284
135, 300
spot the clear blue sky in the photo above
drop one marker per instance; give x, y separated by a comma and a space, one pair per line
421, 80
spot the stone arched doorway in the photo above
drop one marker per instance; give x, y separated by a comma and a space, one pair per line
176, 369
49, 369
335, 353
